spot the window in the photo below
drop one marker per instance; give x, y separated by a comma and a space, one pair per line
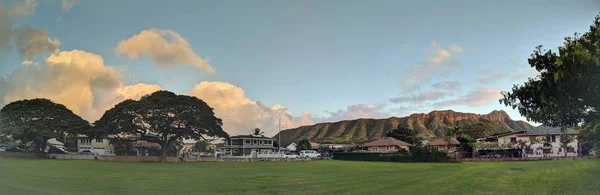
570, 150
99, 140
255, 142
513, 140
236, 150
247, 141
554, 138
388, 148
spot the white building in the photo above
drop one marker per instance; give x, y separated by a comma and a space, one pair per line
292, 147
552, 137
101, 146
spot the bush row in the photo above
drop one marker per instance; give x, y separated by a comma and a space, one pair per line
415, 155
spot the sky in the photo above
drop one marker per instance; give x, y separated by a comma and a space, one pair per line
259, 62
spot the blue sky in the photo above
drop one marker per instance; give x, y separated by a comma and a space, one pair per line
334, 59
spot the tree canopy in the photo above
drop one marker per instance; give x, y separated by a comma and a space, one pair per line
163, 118
38, 120
567, 91
304, 145
405, 134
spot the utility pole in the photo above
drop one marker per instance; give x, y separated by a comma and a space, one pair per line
279, 145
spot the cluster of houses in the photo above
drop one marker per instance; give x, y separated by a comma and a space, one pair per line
245, 145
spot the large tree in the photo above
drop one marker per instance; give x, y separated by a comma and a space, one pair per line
163, 118
304, 145
567, 91
405, 134
38, 120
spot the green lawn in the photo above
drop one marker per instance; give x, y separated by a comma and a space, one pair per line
38, 176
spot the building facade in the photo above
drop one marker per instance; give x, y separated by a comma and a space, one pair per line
101, 146
544, 142
442, 144
243, 145
386, 144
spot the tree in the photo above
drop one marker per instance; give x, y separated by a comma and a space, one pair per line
478, 130
589, 138
163, 118
452, 132
405, 134
38, 120
304, 145
566, 92
257, 131
200, 146
565, 139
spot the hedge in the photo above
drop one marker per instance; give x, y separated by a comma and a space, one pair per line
416, 155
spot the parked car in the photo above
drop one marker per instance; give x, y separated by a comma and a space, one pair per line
309, 154
2, 149
88, 152
57, 151
289, 155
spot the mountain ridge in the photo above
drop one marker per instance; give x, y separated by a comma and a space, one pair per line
431, 125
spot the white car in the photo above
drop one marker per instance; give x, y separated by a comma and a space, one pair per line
289, 155
309, 154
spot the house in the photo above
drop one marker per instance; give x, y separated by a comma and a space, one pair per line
334, 146
101, 146
314, 146
243, 145
386, 144
442, 144
292, 147
546, 141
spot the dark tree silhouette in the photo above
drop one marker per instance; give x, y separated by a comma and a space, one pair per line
163, 118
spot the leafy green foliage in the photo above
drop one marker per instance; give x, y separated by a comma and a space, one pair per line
38, 120
566, 93
257, 131
589, 137
405, 134
201, 146
303, 145
161, 117
478, 130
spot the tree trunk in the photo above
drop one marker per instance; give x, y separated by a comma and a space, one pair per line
163, 153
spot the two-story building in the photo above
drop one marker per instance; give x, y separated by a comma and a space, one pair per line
544, 141
243, 145
101, 146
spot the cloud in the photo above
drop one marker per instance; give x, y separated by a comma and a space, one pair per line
68, 4
354, 112
475, 98
31, 42
448, 85
493, 75
26, 8
165, 48
76, 78
240, 114
423, 96
439, 62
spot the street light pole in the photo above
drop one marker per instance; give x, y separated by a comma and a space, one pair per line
279, 145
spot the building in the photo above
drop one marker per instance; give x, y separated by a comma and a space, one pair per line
101, 146
546, 141
442, 144
243, 145
314, 146
292, 147
386, 144
337, 147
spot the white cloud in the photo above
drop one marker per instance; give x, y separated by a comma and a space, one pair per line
165, 48
77, 79
489, 76
25, 8
447, 85
438, 63
240, 114
354, 112
475, 98
68, 4
420, 98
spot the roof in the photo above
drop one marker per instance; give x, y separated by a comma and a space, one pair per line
386, 141
251, 136
545, 130
442, 142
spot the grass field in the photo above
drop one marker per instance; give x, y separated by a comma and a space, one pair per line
38, 176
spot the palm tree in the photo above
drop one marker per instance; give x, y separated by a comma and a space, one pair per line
257, 131
452, 132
